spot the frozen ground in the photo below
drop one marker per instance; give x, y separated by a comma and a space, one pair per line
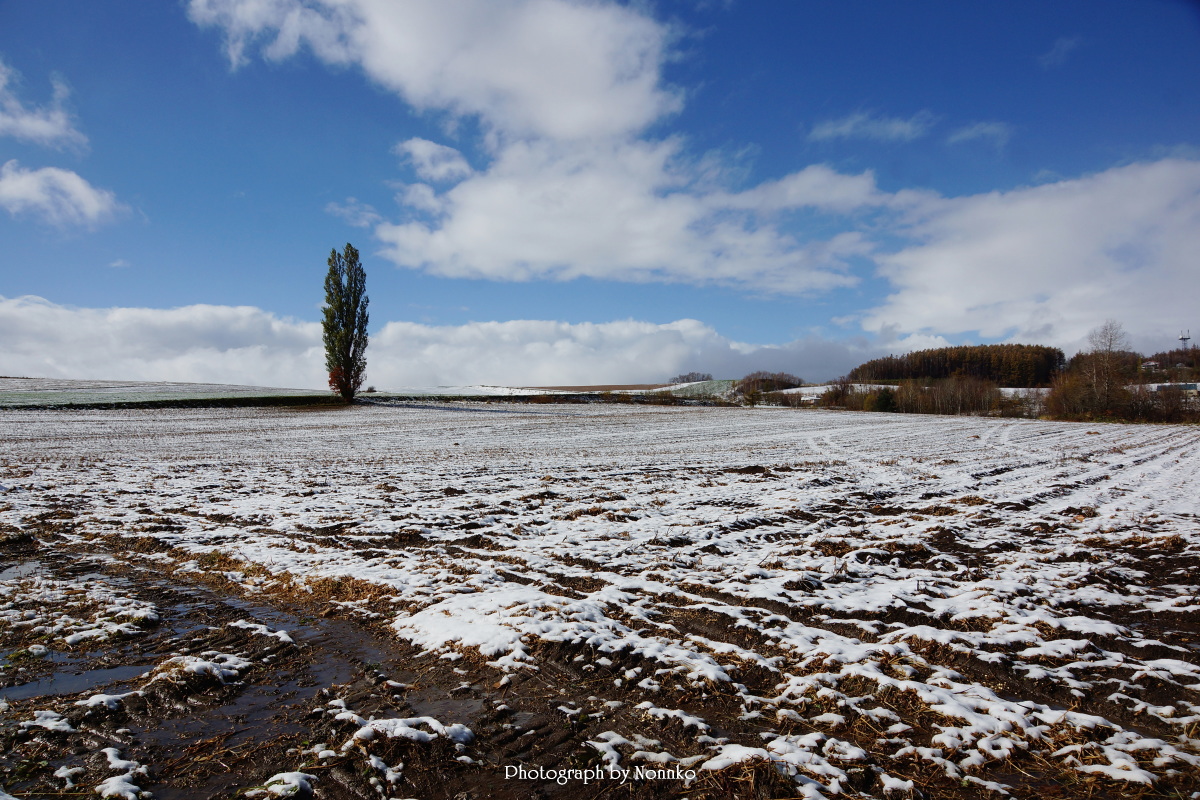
50, 392
44, 393
432, 600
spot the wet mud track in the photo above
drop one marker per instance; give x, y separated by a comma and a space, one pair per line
198, 734
121, 708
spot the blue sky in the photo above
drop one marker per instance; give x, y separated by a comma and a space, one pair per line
556, 192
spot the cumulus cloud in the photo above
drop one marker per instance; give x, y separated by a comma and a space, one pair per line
627, 212
56, 196
564, 92
537, 353
433, 161
1048, 263
202, 343
998, 133
864, 125
551, 68
548, 353
817, 187
50, 126
246, 345
567, 182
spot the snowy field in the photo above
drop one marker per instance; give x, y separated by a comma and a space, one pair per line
580, 601
51, 392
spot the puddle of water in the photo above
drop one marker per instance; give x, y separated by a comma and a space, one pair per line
36, 568
266, 615
333, 637
219, 785
255, 716
253, 712
444, 708
27, 570
62, 657
100, 577
522, 719
59, 684
180, 625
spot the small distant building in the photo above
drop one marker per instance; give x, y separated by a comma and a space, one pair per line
1149, 365
1190, 390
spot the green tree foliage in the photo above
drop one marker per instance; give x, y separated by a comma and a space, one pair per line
880, 400
344, 326
1016, 365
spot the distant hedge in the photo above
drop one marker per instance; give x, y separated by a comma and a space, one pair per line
690, 377
760, 382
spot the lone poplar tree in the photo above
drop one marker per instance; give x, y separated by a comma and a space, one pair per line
345, 325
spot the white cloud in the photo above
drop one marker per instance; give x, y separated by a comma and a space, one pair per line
548, 353
537, 353
57, 196
220, 344
863, 125
564, 90
246, 345
626, 211
1058, 52
356, 213
568, 184
997, 132
433, 161
51, 126
1048, 263
816, 186
544, 68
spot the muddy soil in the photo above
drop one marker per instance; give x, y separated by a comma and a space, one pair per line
216, 627
202, 737
309, 675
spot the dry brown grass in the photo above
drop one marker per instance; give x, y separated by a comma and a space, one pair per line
939, 511
576, 513
1169, 544
343, 589
833, 547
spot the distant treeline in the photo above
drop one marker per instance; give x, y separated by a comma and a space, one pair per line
1108, 381
1170, 365
1016, 365
1122, 385
957, 395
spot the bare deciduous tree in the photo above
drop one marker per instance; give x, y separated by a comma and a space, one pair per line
1105, 344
